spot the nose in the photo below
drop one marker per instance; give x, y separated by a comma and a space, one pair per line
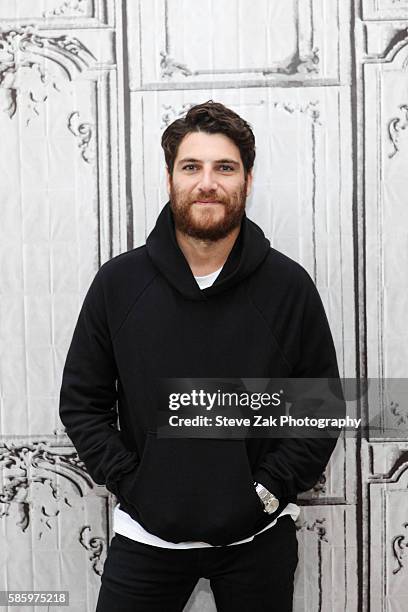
207, 180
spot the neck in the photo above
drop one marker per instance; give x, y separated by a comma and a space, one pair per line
206, 256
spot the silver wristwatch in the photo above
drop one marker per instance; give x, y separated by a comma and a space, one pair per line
270, 502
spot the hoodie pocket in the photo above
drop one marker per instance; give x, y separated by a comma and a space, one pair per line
194, 489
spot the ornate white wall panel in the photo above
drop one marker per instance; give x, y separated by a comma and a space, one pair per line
59, 223
384, 454
385, 9
387, 214
227, 41
302, 187
325, 577
63, 215
301, 197
387, 495
67, 12
54, 522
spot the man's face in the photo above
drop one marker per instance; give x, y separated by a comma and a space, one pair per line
208, 189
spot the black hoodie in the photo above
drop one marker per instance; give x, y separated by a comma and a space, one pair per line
144, 317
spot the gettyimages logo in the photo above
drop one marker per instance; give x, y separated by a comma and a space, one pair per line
277, 408
209, 400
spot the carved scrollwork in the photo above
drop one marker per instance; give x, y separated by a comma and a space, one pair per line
400, 549
24, 53
170, 114
400, 413
299, 64
83, 132
310, 109
317, 526
69, 7
95, 546
33, 466
396, 125
169, 66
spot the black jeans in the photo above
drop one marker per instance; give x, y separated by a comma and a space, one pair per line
256, 576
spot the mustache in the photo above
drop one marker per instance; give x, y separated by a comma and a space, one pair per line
208, 198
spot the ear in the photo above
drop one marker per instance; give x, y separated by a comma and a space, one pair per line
168, 180
250, 178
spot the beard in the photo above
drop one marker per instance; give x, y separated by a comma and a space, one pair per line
207, 224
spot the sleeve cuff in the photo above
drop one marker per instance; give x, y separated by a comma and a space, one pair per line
122, 487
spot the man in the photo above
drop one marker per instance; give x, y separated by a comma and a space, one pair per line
206, 296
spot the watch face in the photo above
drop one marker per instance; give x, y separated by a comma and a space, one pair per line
268, 499
272, 505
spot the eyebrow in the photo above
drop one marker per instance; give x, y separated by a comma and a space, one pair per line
185, 160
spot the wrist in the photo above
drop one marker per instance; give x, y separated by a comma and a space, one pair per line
273, 485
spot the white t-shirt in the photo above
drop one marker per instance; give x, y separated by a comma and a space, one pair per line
126, 526
207, 280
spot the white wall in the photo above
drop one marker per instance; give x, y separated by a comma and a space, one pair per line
86, 89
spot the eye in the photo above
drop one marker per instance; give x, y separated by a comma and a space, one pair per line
189, 167
226, 168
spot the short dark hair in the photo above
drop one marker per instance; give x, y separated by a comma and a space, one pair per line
212, 118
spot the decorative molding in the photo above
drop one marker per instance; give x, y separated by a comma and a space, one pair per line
400, 413
398, 41
309, 109
95, 546
18, 462
297, 65
318, 526
398, 469
23, 77
378, 10
83, 132
69, 7
170, 114
400, 549
395, 126
386, 507
312, 111
169, 66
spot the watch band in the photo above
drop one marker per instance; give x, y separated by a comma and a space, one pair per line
270, 502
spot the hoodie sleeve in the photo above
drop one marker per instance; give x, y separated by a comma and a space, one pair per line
297, 463
88, 394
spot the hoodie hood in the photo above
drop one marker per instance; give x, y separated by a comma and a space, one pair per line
249, 250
